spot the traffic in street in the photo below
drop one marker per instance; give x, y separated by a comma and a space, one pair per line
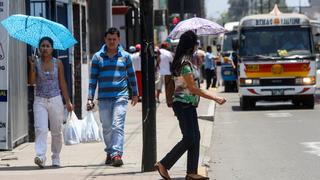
277, 141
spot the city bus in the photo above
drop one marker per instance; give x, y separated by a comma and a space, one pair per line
276, 59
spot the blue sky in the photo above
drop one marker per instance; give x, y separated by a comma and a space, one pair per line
216, 7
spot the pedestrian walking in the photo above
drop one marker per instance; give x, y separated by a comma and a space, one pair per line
48, 75
198, 59
166, 59
112, 71
219, 60
210, 68
185, 101
136, 62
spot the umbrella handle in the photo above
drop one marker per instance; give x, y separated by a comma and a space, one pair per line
35, 52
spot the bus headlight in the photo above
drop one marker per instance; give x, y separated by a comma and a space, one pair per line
306, 80
249, 82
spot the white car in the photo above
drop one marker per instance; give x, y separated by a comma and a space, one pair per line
318, 73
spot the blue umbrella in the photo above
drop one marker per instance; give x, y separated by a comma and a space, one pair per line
30, 29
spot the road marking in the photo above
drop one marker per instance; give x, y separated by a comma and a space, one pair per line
277, 115
313, 146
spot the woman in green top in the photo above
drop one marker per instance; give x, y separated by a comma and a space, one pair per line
185, 101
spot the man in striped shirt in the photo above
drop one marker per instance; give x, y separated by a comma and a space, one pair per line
112, 70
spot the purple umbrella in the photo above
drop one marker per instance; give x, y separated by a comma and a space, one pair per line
199, 25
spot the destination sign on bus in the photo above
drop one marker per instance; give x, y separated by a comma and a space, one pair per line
278, 21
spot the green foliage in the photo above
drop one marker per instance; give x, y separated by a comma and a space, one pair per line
237, 9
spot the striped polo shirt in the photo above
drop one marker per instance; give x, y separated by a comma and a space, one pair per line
112, 74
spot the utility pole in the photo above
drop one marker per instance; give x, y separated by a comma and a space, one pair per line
269, 6
181, 10
149, 150
300, 6
109, 13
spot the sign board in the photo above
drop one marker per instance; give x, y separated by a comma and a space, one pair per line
4, 43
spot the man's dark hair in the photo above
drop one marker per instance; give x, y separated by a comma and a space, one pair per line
209, 49
112, 30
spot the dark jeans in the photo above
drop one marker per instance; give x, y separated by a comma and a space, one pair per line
211, 78
188, 122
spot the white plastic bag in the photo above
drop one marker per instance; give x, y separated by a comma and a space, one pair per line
72, 130
90, 129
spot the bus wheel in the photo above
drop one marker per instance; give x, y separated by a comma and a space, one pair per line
308, 102
246, 103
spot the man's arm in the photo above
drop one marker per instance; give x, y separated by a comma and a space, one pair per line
94, 72
132, 81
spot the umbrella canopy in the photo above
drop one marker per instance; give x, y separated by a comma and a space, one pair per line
30, 29
199, 25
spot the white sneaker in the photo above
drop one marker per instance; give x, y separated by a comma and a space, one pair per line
38, 161
56, 162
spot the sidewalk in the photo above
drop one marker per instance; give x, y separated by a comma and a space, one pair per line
86, 161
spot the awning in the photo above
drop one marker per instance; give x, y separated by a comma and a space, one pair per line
118, 10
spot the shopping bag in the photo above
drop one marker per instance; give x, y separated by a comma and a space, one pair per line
72, 130
90, 129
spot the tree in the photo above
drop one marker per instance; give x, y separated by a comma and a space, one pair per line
237, 9
224, 18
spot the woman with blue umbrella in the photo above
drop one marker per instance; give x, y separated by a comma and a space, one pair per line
48, 75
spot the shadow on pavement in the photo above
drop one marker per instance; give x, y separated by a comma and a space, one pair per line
132, 174
269, 107
32, 168
206, 118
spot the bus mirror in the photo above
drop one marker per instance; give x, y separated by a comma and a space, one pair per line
235, 44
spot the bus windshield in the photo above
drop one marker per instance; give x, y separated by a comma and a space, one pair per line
270, 41
227, 41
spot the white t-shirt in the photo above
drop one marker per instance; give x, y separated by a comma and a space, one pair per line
136, 61
165, 59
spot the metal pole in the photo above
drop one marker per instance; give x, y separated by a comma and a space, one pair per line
261, 7
149, 150
109, 14
300, 6
181, 10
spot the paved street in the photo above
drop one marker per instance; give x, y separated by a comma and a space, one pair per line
276, 141
86, 161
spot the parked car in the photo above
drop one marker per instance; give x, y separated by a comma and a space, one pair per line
318, 73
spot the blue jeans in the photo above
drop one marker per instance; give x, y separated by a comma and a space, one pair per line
188, 122
112, 113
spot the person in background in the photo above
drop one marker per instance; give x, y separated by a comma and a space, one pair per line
198, 59
210, 68
136, 62
185, 101
112, 70
132, 50
157, 76
219, 60
166, 58
48, 75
